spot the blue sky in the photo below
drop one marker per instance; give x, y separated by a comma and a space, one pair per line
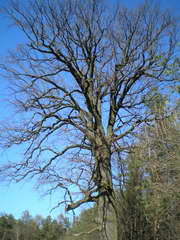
16, 198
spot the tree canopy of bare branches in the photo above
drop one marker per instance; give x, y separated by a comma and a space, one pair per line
80, 83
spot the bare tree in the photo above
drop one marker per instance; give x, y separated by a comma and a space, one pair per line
80, 83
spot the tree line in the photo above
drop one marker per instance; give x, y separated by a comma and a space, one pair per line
29, 228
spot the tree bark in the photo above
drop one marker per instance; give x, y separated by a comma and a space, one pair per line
107, 216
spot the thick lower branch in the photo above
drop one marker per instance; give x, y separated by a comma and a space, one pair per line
75, 205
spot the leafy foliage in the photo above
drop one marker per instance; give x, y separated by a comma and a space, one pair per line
28, 228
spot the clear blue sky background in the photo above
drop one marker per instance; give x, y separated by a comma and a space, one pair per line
16, 198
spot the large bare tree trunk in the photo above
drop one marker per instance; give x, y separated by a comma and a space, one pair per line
106, 219
106, 202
